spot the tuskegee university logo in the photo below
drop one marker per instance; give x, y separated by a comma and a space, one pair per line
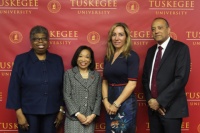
171, 7
54, 6
93, 37
132, 7
15, 37
93, 7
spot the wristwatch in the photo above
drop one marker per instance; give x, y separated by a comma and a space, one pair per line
61, 110
77, 114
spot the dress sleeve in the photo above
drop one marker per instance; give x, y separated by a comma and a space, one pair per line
133, 66
67, 93
61, 87
14, 89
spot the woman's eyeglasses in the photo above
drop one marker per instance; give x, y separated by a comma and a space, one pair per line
40, 39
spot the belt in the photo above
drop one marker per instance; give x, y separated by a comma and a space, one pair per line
113, 84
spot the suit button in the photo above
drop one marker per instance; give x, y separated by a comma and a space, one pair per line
45, 81
85, 97
85, 105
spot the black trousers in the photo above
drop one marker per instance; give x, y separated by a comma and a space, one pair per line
160, 124
40, 123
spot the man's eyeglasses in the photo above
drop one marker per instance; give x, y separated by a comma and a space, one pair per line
38, 39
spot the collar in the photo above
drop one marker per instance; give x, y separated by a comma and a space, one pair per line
78, 77
76, 70
34, 57
164, 44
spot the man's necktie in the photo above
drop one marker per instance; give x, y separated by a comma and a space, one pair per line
154, 91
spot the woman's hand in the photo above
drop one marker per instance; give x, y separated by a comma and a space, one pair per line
89, 119
22, 122
112, 110
107, 105
59, 119
81, 118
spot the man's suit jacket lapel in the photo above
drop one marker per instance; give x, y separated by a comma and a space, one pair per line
164, 57
151, 56
167, 52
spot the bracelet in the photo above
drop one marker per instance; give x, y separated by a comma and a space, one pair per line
61, 110
77, 114
104, 98
117, 106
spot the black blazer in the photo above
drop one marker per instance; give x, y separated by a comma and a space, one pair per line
36, 86
172, 77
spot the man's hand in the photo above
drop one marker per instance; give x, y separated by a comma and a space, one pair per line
161, 111
153, 104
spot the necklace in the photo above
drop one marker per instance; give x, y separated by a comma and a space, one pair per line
84, 75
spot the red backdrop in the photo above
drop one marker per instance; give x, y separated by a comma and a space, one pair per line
72, 23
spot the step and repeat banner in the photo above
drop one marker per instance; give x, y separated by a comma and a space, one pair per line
72, 23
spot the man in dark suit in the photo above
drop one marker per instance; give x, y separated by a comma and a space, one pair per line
164, 80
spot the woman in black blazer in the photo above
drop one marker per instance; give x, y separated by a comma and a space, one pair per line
35, 88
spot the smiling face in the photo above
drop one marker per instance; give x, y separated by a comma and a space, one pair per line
84, 59
40, 43
118, 37
160, 30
